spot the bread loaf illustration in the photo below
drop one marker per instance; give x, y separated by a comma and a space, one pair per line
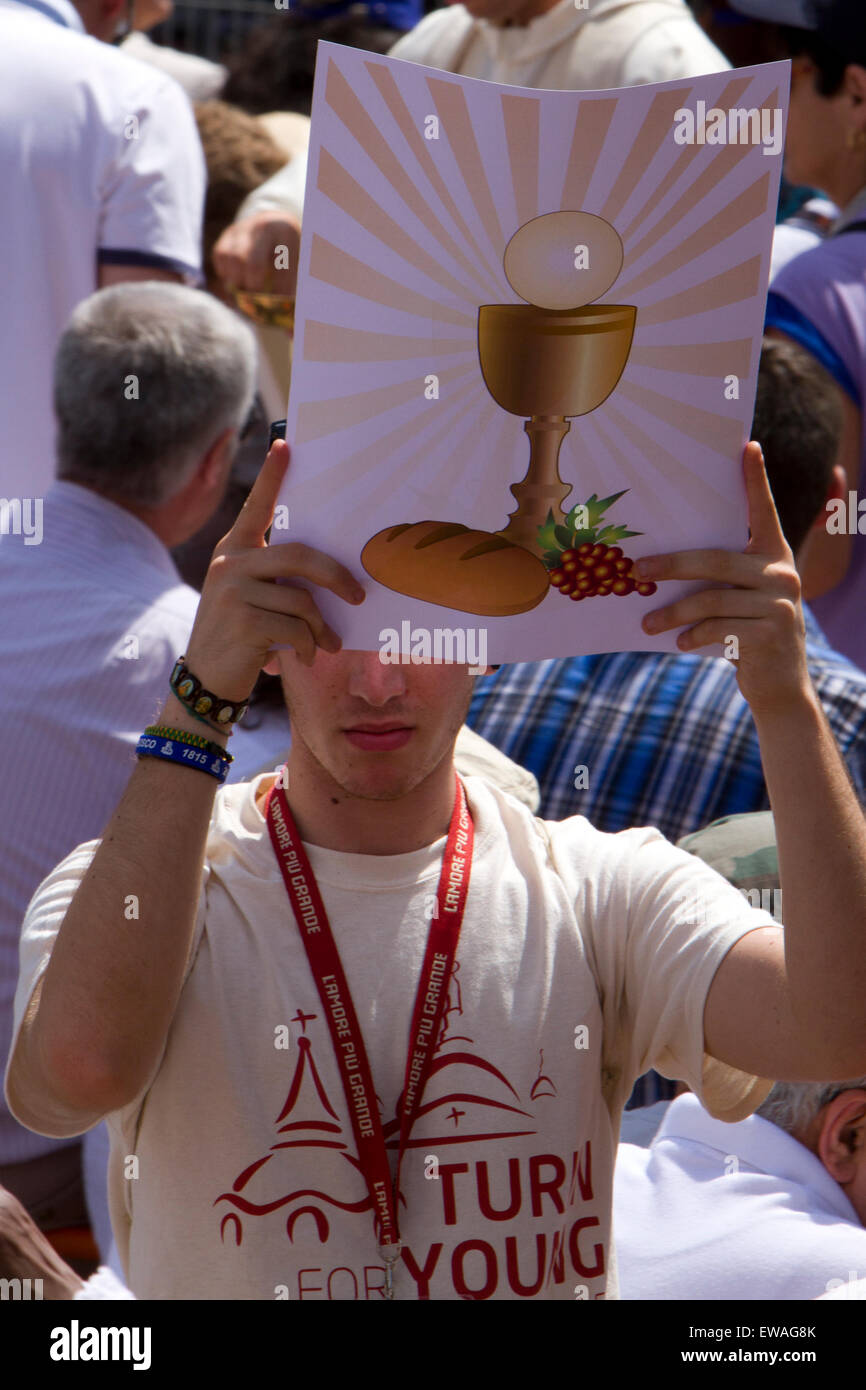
447, 563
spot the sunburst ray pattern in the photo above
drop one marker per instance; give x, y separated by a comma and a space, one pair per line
417, 181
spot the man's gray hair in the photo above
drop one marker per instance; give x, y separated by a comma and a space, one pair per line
147, 376
793, 1105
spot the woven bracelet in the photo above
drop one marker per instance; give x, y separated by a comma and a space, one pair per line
172, 751
192, 740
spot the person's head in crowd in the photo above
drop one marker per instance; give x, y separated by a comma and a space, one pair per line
797, 422
146, 14
240, 155
742, 40
152, 385
830, 1120
104, 19
273, 70
825, 145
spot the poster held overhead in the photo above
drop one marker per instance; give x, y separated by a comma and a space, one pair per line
527, 336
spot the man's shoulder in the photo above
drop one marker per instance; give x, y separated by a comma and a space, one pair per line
505, 818
441, 28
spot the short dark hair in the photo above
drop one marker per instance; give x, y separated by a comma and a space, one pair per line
829, 60
797, 422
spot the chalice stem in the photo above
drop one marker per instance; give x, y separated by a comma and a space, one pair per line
542, 490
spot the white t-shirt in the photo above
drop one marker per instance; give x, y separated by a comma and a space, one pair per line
721, 1211
576, 970
101, 162
607, 43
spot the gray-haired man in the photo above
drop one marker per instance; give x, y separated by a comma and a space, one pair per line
153, 382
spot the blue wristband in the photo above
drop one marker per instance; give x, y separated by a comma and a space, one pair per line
175, 752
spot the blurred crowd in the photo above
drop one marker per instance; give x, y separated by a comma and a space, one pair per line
148, 195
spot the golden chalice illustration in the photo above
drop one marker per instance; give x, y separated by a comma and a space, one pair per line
556, 356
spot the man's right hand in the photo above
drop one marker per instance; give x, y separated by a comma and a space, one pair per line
245, 612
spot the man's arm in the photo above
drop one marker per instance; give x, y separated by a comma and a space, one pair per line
788, 1005
96, 1028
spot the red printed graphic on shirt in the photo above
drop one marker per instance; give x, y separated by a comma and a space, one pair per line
479, 1198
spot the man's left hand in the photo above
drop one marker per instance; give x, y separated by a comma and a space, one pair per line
757, 616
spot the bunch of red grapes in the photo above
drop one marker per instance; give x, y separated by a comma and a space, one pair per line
593, 571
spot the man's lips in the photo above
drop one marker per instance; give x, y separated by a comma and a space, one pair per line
378, 737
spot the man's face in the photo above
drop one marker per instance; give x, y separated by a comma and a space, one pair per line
818, 129
377, 730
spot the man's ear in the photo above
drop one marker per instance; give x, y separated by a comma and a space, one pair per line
842, 1137
216, 463
837, 490
854, 88
272, 666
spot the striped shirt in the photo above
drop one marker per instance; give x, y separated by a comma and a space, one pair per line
92, 619
637, 738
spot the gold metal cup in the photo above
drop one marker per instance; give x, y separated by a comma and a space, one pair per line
549, 365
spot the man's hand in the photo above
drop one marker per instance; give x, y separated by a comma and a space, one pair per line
244, 612
26, 1254
247, 255
760, 606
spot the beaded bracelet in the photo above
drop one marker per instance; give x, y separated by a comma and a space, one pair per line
193, 740
206, 706
189, 756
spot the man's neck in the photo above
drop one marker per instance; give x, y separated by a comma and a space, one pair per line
328, 816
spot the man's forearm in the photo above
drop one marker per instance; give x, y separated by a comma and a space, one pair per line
112, 985
821, 838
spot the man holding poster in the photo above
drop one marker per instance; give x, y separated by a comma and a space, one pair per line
363, 1030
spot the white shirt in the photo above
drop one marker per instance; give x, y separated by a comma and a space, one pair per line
574, 972
730, 1211
101, 163
91, 622
610, 43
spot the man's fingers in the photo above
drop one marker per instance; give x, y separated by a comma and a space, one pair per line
257, 512
721, 566
291, 560
767, 536
291, 601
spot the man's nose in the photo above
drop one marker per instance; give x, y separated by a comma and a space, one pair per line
376, 681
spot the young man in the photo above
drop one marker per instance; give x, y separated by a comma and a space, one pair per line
189, 989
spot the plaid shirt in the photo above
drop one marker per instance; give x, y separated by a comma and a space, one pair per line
664, 739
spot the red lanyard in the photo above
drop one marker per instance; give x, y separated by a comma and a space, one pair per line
336, 998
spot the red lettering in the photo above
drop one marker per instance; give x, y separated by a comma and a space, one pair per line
524, 1290
301, 1289
446, 1174
421, 1276
341, 1269
458, 1278
551, 1186
487, 1209
578, 1176
574, 1250
557, 1259
373, 1288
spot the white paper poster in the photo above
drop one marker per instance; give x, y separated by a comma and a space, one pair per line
526, 343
